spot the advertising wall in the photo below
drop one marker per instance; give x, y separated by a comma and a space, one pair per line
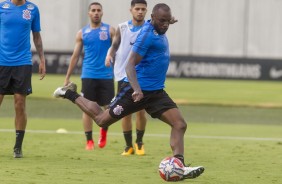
225, 68
188, 67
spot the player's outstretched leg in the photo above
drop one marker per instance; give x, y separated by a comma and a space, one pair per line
91, 108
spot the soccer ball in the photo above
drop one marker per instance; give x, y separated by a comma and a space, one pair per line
171, 169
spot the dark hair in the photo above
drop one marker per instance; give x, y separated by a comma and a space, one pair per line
160, 6
133, 2
94, 3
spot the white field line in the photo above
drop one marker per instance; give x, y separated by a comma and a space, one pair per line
157, 135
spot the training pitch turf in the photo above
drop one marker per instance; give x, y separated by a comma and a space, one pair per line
234, 130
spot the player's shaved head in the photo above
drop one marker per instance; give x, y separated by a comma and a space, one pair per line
161, 16
162, 6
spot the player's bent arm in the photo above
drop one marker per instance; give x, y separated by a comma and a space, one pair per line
134, 59
39, 48
75, 56
114, 47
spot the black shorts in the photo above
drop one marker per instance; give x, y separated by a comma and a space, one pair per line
101, 91
15, 79
154, 102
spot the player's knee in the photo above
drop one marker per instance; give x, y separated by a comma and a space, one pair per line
103, 120
19, 106
181, 125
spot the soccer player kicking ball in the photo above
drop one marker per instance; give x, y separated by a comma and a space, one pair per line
146, 72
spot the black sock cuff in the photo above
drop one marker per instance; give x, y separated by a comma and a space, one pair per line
20, 131
180, 157
140, 131
71, 95
88, 132
88, 135
127, 132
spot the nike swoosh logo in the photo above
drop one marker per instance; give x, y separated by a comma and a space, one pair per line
131, 43
275, 73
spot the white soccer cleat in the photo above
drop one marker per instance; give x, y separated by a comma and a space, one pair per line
192, 172
61, 91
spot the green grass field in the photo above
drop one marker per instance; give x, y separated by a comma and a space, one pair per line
234, 130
